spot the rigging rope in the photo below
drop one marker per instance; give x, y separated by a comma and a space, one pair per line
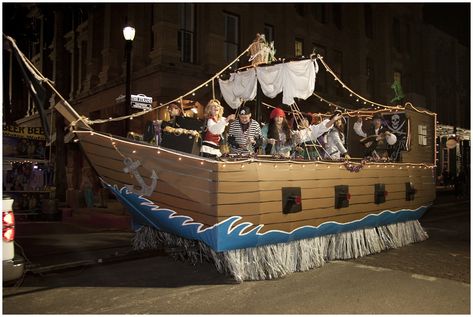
319, 57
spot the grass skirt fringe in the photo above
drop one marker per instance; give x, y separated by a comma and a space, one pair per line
276, 260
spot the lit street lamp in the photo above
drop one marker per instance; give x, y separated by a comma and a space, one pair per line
129, 35
452, 140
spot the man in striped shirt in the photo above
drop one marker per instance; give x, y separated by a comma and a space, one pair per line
244, 134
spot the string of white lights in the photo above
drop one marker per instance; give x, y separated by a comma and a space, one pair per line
178, 99
421, 111
350, 112
223, 163
290, 112
353, 93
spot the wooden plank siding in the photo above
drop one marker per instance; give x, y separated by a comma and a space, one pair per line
210, 191
420, 153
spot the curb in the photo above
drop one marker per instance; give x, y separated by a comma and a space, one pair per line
114, 258
448, 204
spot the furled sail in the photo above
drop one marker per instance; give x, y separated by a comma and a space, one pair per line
295, 79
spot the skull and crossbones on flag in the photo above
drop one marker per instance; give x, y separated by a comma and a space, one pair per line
397, 124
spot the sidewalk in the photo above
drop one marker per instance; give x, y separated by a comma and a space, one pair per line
84, 236
448, 197
114, 217
55, 243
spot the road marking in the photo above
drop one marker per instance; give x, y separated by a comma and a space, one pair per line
373, 268
424, 277
439, 229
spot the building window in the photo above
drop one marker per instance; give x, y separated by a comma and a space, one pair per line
370, 76
299, 9
321, 79
368, 21
232, 41
408, 38
422, 132
318, 11
298, 47
396, 33
186, 32
337, 15
269, 32
151, 33
83, 65
397, 76
79, 16
338, 69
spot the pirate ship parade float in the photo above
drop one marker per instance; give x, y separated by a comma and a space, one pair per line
261, 217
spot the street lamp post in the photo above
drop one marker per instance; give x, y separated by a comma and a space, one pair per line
129, 35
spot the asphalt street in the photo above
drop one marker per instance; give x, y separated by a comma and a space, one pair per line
431, 277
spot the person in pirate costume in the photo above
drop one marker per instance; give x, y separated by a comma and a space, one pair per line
376, 137
311, 135
277, 135
174, 111
335, 147
305, 146
244, 134
216, 124
153, 131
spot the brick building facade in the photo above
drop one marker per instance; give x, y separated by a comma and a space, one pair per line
179, 46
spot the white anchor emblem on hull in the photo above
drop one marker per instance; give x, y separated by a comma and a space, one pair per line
132, 168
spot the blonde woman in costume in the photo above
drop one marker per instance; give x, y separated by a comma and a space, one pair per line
215, 126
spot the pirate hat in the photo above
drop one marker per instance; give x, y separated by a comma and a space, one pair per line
377, 116
244, 110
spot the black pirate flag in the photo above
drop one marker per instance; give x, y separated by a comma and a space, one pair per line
397, 123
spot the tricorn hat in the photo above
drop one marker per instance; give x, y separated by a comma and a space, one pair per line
377, 116
335, 113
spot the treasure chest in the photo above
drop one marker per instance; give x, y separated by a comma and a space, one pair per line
189, 123
181, 142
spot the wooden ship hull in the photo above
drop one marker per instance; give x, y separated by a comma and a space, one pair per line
241, 204
262, 217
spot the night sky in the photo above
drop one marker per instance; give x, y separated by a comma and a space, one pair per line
452, 18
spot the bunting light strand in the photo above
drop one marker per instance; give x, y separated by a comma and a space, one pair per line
39, 76
366, 101
350, 112
332, 104
290, 112
205, 84
421, 111
247, 161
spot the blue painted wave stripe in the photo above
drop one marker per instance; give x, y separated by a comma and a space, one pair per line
225, 235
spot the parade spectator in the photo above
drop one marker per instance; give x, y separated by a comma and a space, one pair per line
244, 134
445, 178
216, 124
87, 188
460, 181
